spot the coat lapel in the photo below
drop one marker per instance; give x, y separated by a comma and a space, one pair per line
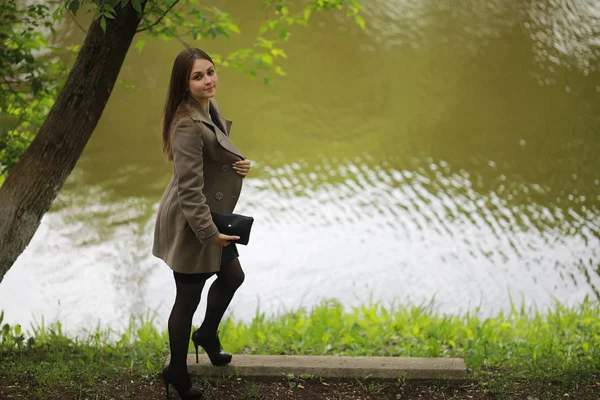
199, 114
217, 111
228, 125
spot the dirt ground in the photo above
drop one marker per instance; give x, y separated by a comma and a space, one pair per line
150, 388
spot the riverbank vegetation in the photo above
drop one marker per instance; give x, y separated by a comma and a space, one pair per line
524, 353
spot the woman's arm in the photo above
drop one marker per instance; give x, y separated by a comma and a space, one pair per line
187, 144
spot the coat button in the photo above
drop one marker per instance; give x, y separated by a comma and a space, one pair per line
219, 196
225, 168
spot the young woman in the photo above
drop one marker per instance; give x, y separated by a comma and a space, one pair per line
207, 175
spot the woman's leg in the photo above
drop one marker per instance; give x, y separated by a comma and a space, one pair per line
189, 289
229, 279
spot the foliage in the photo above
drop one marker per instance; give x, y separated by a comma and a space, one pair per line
559, 339
32, 74
531, 344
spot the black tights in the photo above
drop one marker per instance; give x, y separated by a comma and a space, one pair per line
229, 279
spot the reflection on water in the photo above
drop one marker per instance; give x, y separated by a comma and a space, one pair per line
565, 33
377, 232
450, 151
560, 32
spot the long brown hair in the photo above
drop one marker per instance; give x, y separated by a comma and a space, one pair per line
178, 94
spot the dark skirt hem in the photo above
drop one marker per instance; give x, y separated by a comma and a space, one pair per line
229, 254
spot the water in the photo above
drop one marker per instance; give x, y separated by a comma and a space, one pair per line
448, 152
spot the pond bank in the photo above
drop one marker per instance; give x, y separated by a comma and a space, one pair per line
512, 355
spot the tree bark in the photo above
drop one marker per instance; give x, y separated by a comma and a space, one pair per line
33, 184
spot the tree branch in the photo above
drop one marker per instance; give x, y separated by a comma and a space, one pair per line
18, 84
160, 18
77, 23
148, 13
180, 40
8, 85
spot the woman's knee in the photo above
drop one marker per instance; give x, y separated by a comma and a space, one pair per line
234, 275
239, 278
234, 280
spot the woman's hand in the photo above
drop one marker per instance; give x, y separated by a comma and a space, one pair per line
224, 240
242, 167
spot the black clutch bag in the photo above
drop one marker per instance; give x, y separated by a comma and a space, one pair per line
233, 224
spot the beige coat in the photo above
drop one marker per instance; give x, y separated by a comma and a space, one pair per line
203, 179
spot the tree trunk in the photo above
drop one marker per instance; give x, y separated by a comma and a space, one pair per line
33, 184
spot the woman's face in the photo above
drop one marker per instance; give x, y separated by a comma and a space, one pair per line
203, 80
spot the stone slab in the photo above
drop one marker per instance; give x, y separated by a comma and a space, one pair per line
341, 367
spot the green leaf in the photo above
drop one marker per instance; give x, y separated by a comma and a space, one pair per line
262, 42
280, 71
279, 52
284, 34
268, 25
232, 27
136, 5
360, 21
266, 59
128, 85
74, 6
36, 85
264, 27
307, 12
103, 23
140, 45
281, 9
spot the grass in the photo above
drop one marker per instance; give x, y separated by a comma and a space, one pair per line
558, 348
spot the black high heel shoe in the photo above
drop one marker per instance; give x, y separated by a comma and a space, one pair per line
182, 384
212, 346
